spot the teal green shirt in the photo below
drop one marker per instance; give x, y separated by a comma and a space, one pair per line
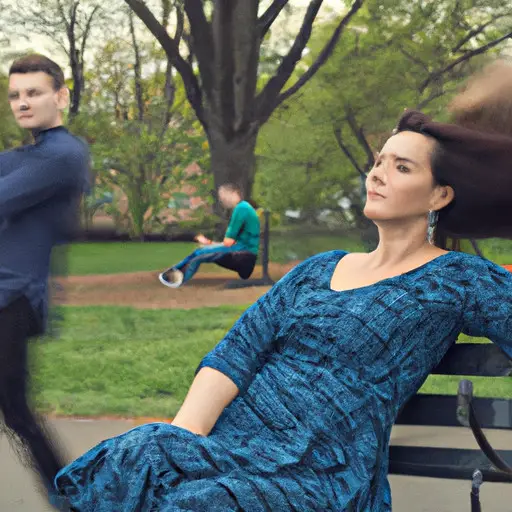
244, 227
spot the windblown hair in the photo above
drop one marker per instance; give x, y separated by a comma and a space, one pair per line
473, 156
35, 63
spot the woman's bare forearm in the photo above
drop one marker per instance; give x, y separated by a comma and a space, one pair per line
210, 393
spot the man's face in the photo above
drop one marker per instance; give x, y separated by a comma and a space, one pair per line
35, 103
228, 198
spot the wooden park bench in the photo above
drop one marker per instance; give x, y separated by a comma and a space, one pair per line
476, 465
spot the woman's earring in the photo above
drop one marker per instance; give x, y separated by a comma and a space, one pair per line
433, 217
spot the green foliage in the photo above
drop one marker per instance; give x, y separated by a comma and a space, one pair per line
146, 167
140, 157
10, 134
379, 68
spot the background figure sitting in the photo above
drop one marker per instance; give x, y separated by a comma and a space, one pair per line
238, 251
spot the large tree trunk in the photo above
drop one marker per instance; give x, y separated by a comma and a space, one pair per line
233, 161
225, 43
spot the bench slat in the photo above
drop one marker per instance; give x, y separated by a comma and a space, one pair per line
452, 463
441, 411
475, 359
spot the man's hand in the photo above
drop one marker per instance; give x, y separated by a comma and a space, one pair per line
201, 239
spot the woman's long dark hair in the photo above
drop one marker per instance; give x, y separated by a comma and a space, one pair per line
473, 156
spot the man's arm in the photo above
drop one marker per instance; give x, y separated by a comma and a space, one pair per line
37, 179
235, 225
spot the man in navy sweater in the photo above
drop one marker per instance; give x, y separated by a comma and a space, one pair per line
40, 189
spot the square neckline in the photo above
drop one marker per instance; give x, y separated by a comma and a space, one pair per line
381, 281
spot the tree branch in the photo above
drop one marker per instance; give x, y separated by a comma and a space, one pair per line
470, 54
476, 31
180, 25
169, 45
202, 42
358, 132
87, 31
270, 98
346, 151
269, 16
139, 95
166, 12
412, 58
246, 56
62, 14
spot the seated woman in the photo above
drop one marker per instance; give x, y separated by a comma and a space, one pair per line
293, 409
237, 252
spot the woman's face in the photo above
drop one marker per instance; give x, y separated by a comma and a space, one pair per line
401, 184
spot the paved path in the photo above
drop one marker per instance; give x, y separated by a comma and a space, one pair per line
18, 492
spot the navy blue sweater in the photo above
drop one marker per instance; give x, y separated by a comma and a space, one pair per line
40, 189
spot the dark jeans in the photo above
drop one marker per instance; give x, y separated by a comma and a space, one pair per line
190, 265
17, 323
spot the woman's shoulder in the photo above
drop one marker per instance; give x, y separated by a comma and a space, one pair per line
319, 261
473, 268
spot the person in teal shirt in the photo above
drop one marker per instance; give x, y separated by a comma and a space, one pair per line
238, 251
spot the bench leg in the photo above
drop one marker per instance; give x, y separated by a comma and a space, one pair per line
475, 491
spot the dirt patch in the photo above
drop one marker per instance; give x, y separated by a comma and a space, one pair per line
143, 290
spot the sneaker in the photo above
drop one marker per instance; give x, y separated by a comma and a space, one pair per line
171, 278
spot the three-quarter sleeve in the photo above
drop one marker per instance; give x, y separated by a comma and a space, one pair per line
246, 347
488, 308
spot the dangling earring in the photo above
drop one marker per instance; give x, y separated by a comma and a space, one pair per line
433, 216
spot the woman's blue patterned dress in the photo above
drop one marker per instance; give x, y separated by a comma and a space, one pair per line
322, 375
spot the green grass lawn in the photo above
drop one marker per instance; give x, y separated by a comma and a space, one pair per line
129, 362
119, 257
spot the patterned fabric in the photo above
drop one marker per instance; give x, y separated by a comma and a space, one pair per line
322, 375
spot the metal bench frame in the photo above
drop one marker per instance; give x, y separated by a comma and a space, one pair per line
478, 465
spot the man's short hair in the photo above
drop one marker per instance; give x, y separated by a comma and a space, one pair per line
35, 63
232, 187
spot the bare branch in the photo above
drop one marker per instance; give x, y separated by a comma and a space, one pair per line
87, 31
166, 12
266, 100
63, 14
169, 45
137, 70
358, 132
412, 58
270, 98
202, 41
346, 151
476, 31
169, 93
470, 54
269, 16
180, 25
